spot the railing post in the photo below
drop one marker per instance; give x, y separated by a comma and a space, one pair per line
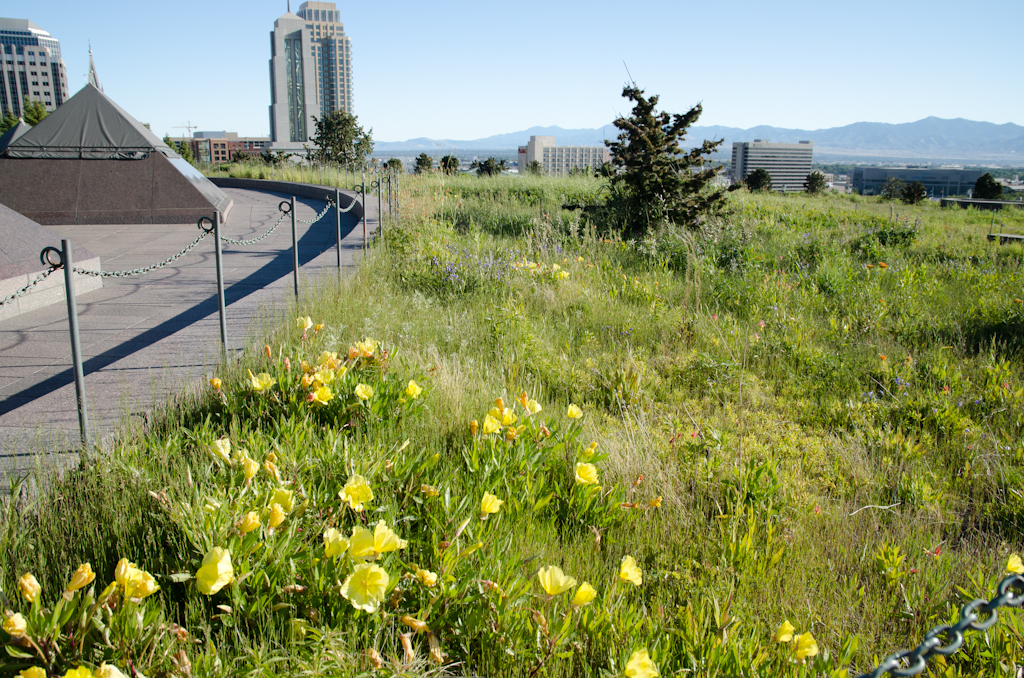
364, 212
295, 250
76, 345
337, 223
380, 208
220, 283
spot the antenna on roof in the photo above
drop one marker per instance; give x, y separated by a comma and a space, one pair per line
289, 6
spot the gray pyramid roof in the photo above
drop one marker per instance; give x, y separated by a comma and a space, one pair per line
13, 133
89, 126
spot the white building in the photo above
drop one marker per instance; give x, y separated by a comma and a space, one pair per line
32, 67
560, 159
788, 164
310, 72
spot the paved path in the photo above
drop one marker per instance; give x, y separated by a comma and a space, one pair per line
145, 337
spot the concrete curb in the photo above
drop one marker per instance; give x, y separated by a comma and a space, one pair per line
313, 191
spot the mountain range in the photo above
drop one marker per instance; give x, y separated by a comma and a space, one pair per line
930, 139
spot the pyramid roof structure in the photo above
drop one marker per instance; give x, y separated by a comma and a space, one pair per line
88, 126
10, 135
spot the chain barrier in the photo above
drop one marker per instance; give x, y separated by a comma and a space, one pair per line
146, 269
953, 635
32, 283
232, 241
327, 207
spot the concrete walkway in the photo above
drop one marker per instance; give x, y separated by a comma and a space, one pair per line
145, 337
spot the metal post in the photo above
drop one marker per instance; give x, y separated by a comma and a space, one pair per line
337, 220
220, 283
390, 208
364, 212
76, 344
295, 250
398, 188
380, 208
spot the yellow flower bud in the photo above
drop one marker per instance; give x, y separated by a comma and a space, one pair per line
251, 468
473, 427
414, 624
216, 571
15, 625
490, 504
83, 576
584, 595
249, 522
574, 412
215, 383
276, 516
29, 587
427, 578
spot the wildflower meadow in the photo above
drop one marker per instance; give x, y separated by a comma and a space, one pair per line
785, 443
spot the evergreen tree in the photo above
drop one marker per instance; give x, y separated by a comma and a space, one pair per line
449, 164
9, 120
33, 111
533, 167
340, 139
892, 189
657, 181
914, 192
759, 180
489, 167
393, 165
424, 163
815, 183
987, 188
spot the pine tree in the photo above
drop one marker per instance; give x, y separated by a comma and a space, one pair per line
815, 183
33, 111
340, 139
9, 120
987, 188
424, 164
758, 180
657, 182
449, 164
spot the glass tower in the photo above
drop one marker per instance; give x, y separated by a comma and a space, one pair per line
32, 67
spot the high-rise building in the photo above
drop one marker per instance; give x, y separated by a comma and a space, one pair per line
788, 164
32, 67
558, 160
310, 72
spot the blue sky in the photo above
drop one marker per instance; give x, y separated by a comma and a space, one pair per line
464, 70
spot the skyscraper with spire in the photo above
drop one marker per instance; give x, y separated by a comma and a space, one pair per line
310, 72
32, 67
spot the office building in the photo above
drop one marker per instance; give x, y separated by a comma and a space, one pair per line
558, 160
939, 182
310, 72
32, 67
222, 146
788, 164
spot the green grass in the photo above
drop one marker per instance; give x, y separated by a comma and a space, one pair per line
736, 372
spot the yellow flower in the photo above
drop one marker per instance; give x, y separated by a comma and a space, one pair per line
365, 587
83, 576
629, 572
108, 671
80, 672
427, 578
1014, 565
586, 474
216, 571
140, 585
261, 381
523, 400
364, 392
271, 469
250, 521
220, 450
491, 425
124, 571
356, 492
307, 380
335, 543
251, 468
330, 359
303, 322
785, 632
589, 452
429, 490
414, 623
554, 581
215, 383
508, 417
584, 595
29, 587
805, 647
283, 497
413, 390
367, 347
385, 540
323, 395
574, 412
641, 666
15, 625
533, 407
473, 427
325, 376
655, 503
361, 543
32, 672
276, 516
490, 504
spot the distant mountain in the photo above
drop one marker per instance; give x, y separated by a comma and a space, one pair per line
931, 139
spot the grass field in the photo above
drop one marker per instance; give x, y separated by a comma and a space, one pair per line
808, 413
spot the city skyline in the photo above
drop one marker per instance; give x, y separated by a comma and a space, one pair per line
457, 70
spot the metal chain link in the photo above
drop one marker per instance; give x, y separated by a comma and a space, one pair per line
319, 216
32, 283
953, 635
232, 241
140, 271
